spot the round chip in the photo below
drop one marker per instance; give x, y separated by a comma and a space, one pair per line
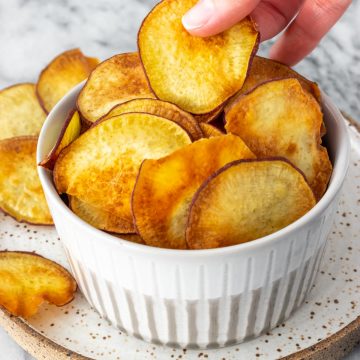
197, 74
160, 108
28, 280
280, 118
21, 194
116, 80
100, 167
246, 200
20, 111
61, 75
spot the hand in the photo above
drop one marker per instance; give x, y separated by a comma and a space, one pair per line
309, 21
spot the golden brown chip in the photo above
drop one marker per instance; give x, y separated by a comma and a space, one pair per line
20, 111
165, 187
263, 70
28, 280
279, 118
21, 194
100, 167
159, 108
70, 131
197, 74
210, 130
61, 75
95, 216
116, 80
246, 200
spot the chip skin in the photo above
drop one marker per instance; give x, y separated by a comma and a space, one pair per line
159, 108
70, 131
61, 75
210, 130
246, 200
20, 111
100, 167
280, 118
165, 187
28, 280
21, 194
116, 80
263, 70
95, 216
197, 74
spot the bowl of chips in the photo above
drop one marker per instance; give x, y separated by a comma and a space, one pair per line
193, 184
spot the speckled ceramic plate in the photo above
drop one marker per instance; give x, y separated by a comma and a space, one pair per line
326, 326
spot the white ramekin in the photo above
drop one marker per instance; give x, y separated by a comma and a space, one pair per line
201, 298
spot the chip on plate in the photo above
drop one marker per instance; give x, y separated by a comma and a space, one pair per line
246, 200
100, 167
20, 111
197, 74
70, 131
21, 194
116, 80
61, 75
165, 187
28, 280
159, 108
280, 118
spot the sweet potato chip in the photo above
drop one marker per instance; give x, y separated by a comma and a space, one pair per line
21, 194
100, 167
279, 118
246, 200
116, 80
28, 280
70, 131
61, 75
263, 70
165, 187
160, 108
210, 130
197, 74
20, 111
97, 217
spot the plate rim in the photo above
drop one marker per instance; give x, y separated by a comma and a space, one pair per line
39, 346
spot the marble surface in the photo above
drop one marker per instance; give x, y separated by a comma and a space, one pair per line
32, 32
